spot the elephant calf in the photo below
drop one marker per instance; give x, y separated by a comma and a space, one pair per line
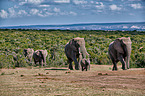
40, 56
85, 64
120, 50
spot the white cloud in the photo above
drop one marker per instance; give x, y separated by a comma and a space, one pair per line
100, 5
30, 1
136, 6
34, 1
44, 5
62, 1
92, 2
12, 12
56, 9
22, 12
34, 11
114, 7
73, 13
3, 14
22, 3
80, 1
134, 0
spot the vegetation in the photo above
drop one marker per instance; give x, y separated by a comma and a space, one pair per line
13, 41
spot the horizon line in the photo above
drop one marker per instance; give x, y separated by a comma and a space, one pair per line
85, 23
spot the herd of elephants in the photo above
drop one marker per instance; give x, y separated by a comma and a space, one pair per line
119, 50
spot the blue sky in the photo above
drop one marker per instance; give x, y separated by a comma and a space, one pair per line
52, 12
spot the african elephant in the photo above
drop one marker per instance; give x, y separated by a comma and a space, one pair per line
28, 53
40, 56
73, 49
120, 50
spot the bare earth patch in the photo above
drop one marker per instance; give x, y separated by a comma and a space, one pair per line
100, 80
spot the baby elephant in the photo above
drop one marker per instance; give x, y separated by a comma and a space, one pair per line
85, 64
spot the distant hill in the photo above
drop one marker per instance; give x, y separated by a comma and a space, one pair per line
128, 26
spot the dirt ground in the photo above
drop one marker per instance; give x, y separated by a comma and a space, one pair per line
99, 81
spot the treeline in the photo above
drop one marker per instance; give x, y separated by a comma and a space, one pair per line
13, 41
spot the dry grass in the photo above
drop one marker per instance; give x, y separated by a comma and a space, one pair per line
100, 80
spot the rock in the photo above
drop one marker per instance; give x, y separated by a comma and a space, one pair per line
22, 75
99, 73
67, 72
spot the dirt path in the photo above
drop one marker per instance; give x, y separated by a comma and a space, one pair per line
100, 80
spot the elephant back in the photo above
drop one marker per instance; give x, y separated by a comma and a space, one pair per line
81, 41
126, 41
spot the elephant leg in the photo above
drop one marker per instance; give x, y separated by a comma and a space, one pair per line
86, 68
121, 59
76, 64
114, 66
35, 62
75, 61
82, 69
70, 65
42, 63
114, 63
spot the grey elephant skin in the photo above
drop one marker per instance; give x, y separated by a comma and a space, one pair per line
85, 64
73, 49
40, 56
28, 53
120, 50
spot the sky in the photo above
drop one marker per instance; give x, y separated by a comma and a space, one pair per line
54, 12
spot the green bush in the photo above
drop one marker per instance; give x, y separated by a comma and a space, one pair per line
97, 43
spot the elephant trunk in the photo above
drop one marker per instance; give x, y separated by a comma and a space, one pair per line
128, 42
82, 50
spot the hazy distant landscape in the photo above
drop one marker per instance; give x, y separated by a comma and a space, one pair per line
139, 26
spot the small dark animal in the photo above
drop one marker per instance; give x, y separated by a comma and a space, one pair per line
84, 64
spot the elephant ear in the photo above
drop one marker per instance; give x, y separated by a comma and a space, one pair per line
72, 43
118, 46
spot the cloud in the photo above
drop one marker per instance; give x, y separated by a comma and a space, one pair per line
79, 2
34, 11
22, 12
100, 5
3, 14
72, 13
62, 1
114, 7
34, 1
12, 12
136, 6
56, 9
44, 5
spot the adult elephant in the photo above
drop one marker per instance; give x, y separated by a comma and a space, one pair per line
74, 50
120, 50
40, 56
28, 53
